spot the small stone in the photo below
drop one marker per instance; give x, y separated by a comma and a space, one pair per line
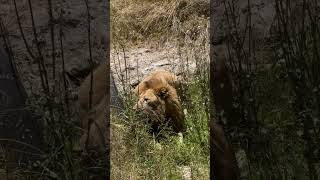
162, 63
130, 68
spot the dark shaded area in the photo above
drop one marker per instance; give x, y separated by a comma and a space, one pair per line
20, 129
55, 45
265, 87
223, 162
222, 157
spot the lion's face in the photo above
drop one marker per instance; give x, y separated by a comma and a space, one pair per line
158, 99
150, 103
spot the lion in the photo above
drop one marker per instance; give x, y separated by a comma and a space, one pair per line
157, 96
93, 120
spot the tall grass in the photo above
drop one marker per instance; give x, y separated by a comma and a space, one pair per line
135, 154
147, 21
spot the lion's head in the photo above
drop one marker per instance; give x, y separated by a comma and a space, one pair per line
152, 104
158, 98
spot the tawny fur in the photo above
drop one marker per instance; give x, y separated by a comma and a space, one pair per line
99, 87
97, 114
158, 77
157, 93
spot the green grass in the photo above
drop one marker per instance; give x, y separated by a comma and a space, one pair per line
135, 153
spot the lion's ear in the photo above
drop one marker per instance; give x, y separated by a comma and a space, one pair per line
163, 93
148, 84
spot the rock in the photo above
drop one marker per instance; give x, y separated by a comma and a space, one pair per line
162, 63
134, 83
143, 60
148, 69
115, 99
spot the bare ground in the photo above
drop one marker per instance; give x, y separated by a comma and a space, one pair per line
130, 66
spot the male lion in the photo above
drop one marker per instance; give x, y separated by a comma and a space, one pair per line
158, 98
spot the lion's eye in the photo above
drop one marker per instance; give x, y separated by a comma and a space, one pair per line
162, 94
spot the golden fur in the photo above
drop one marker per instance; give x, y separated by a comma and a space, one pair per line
158, 96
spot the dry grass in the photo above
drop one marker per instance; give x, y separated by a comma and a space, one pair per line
151, 20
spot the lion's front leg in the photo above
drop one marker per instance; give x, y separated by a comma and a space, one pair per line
175, 113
